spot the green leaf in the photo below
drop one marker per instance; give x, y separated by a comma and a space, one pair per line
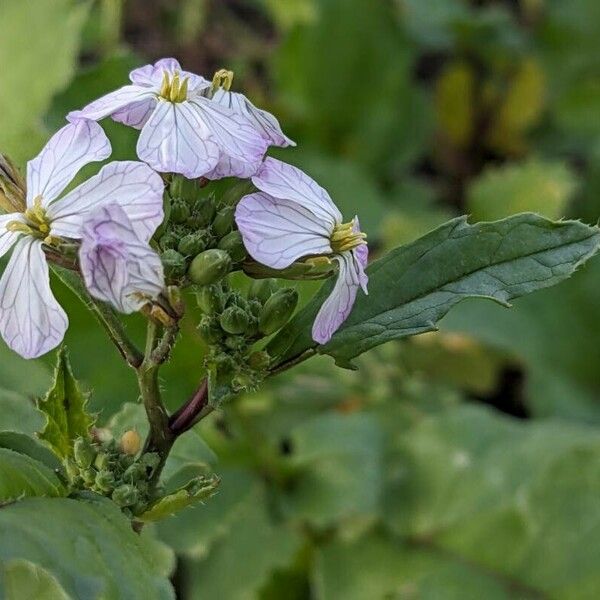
24, 444
545, 187
65, 409
18, 413
21, 475
39, 42
94, 554
196, 490
414, 286
23, 580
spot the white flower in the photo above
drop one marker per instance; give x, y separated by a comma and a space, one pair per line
31, 320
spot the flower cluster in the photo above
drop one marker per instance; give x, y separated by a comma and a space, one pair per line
190, 128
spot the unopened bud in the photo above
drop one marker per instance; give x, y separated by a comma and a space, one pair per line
88, 476
191, 244
209, 266
150, 461
173, 263
223, 222
210, 330
105, 481
180, 211
101, 461
72, 469
84, 452
262, 289
131, 442
259, 360
210, 299
277, 311
234, 320
134, 472
204, 211
233, 244
125, 495
169, 240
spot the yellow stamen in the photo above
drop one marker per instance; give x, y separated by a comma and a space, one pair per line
345, 238
222, 79
174, 89
19, 227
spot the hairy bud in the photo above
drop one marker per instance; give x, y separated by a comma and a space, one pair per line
234, 320
262, 289
233, 244
210, 266
84, 452
210, 299
223, 222
174, 264
180, 211
131, 442
210, 330
191, 244
277, 311
125, 495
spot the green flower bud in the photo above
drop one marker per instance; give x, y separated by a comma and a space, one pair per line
180, 211
102, 461
277, 311
236, 342
84, 452
233, 244
150, 461
210, 330
169, 240
105, 481
223, 222
234, 320
134, 472
204, 211
242, 381
188, 191
259, 360
173, 263
209, 266
254, 308
125, 460
125, 495
88, 476
191, 244
262, 289
72, 469
211, 299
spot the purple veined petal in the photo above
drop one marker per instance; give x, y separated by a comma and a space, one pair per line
137, 114
232, 167
133, 185
337, 307
234, 133
69, 149
264, 122
361, 257
31, 320
113, 102
117, 266
175, 139
152, 75
278, 232
9, 238
290, 183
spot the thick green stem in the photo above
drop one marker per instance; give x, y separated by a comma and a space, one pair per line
104, 315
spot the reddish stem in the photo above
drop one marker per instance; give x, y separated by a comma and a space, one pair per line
187, 416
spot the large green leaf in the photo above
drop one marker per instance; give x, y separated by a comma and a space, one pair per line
94, 553
23, 580
414, 286
18, 413
39, 41
65, 409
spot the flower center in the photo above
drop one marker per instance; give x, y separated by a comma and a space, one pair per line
222, 79
174, 89
345, 238
36, 223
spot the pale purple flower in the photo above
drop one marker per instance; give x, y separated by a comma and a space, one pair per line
118, 265
31, 320
182, 131
264, 123
293, 217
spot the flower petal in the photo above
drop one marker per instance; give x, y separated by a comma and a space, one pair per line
264, 122
9, 238
232, 167
278, 232
132, 185
287, 182
152, 75
69, 149
233, 132
116, 265
361, 256
113, 102
137, 114
31, 320
337, 307
176, 140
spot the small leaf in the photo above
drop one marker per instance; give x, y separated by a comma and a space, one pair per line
414, 286
65, 409
196, 490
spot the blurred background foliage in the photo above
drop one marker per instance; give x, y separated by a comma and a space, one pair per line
459, 464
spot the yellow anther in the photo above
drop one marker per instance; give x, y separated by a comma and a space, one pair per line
174, 89
222, 79
345, 238
19, 227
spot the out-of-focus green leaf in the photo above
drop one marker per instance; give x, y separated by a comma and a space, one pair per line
18, 413
65, 409
23, 580
340, 462
288, 13
28, 377
21, 475
535, 185
414, 286
25, 444
33, 70
94, 553
513, 498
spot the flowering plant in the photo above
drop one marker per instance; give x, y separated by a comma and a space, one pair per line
175, 237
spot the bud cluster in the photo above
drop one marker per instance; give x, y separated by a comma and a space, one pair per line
112, 470
232, 323
198, 243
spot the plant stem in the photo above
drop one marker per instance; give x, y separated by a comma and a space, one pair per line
195, 409
104, 315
